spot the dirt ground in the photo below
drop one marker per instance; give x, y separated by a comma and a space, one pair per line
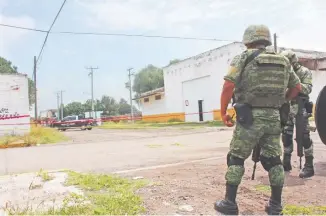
201, 184
193, 188
174, 160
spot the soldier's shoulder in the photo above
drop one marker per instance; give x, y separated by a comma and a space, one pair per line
305, 69
236, 61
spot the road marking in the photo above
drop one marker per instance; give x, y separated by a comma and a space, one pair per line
168, 165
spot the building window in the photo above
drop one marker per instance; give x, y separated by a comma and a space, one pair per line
146, 100
157, 97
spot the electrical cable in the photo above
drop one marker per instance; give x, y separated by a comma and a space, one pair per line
116, 34
48, 32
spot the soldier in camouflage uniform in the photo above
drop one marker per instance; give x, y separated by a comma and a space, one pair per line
264, 82
305, 77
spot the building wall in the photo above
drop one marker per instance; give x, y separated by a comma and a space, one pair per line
154, 110
14, 105
319, 81
201, 78
198, 78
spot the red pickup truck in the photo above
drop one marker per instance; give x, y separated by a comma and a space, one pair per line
75, 121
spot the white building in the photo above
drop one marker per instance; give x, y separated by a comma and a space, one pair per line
14, 102
192, 87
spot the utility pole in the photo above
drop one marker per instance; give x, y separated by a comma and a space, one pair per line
131, 110
275, 42
91, 74
58, 105
61, 104
35, 90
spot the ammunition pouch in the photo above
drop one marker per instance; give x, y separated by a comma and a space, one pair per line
284, 113
309, 107
244, 115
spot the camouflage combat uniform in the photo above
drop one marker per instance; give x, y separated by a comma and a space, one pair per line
262, 87
305, 77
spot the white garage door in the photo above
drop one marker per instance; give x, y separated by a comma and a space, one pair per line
197, 99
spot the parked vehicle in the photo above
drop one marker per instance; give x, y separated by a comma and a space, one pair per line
74, 121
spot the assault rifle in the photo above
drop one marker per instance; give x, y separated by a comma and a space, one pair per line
299, 126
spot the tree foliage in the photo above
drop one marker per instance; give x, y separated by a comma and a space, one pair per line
107, 104
147, 79
6, 67
174, 61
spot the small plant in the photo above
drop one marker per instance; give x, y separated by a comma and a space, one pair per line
37, 135
304, 210
263, 188
154, 145
177, 144
45, 175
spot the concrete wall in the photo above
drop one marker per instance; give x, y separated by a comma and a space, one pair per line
153, 106
201, 78
14, 104
319, 81
198, 78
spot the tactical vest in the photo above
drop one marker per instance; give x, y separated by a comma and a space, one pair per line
264, 82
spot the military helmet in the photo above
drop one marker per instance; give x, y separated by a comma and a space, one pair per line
255, 33
291, 56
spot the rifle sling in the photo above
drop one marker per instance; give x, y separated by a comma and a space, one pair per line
249, 59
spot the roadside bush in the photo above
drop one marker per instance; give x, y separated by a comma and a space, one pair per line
37, 135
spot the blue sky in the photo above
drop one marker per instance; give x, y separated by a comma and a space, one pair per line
298, 24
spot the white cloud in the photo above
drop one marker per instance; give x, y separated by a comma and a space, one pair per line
298, 23
151, 15
9, 36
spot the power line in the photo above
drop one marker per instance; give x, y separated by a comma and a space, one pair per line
48, 32
23, 28
116, 34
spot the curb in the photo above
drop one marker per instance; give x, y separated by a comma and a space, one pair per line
16, 145
35, 172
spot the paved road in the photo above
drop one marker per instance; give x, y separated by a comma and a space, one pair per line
122, 153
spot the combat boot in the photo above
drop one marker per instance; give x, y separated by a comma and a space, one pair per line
287, 162
308, 169
228, 206
274, 206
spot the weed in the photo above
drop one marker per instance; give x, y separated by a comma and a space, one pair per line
263, 188
304, 210
37, 135
45, 175
154, 145
109, 194
104, 195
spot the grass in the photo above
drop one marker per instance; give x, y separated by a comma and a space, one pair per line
45, 175
107, 195
147, 125
103, 195
263, 188
154, 145
304, 210
37, 135
176, 144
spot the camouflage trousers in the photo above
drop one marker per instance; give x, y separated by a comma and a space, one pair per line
267, 135
288, 131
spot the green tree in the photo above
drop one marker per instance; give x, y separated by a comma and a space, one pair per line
147, 79
174, 61
97, 105
124, 107
110, 106
6, 67
74, 108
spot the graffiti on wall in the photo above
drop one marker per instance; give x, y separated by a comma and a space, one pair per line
6, 114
